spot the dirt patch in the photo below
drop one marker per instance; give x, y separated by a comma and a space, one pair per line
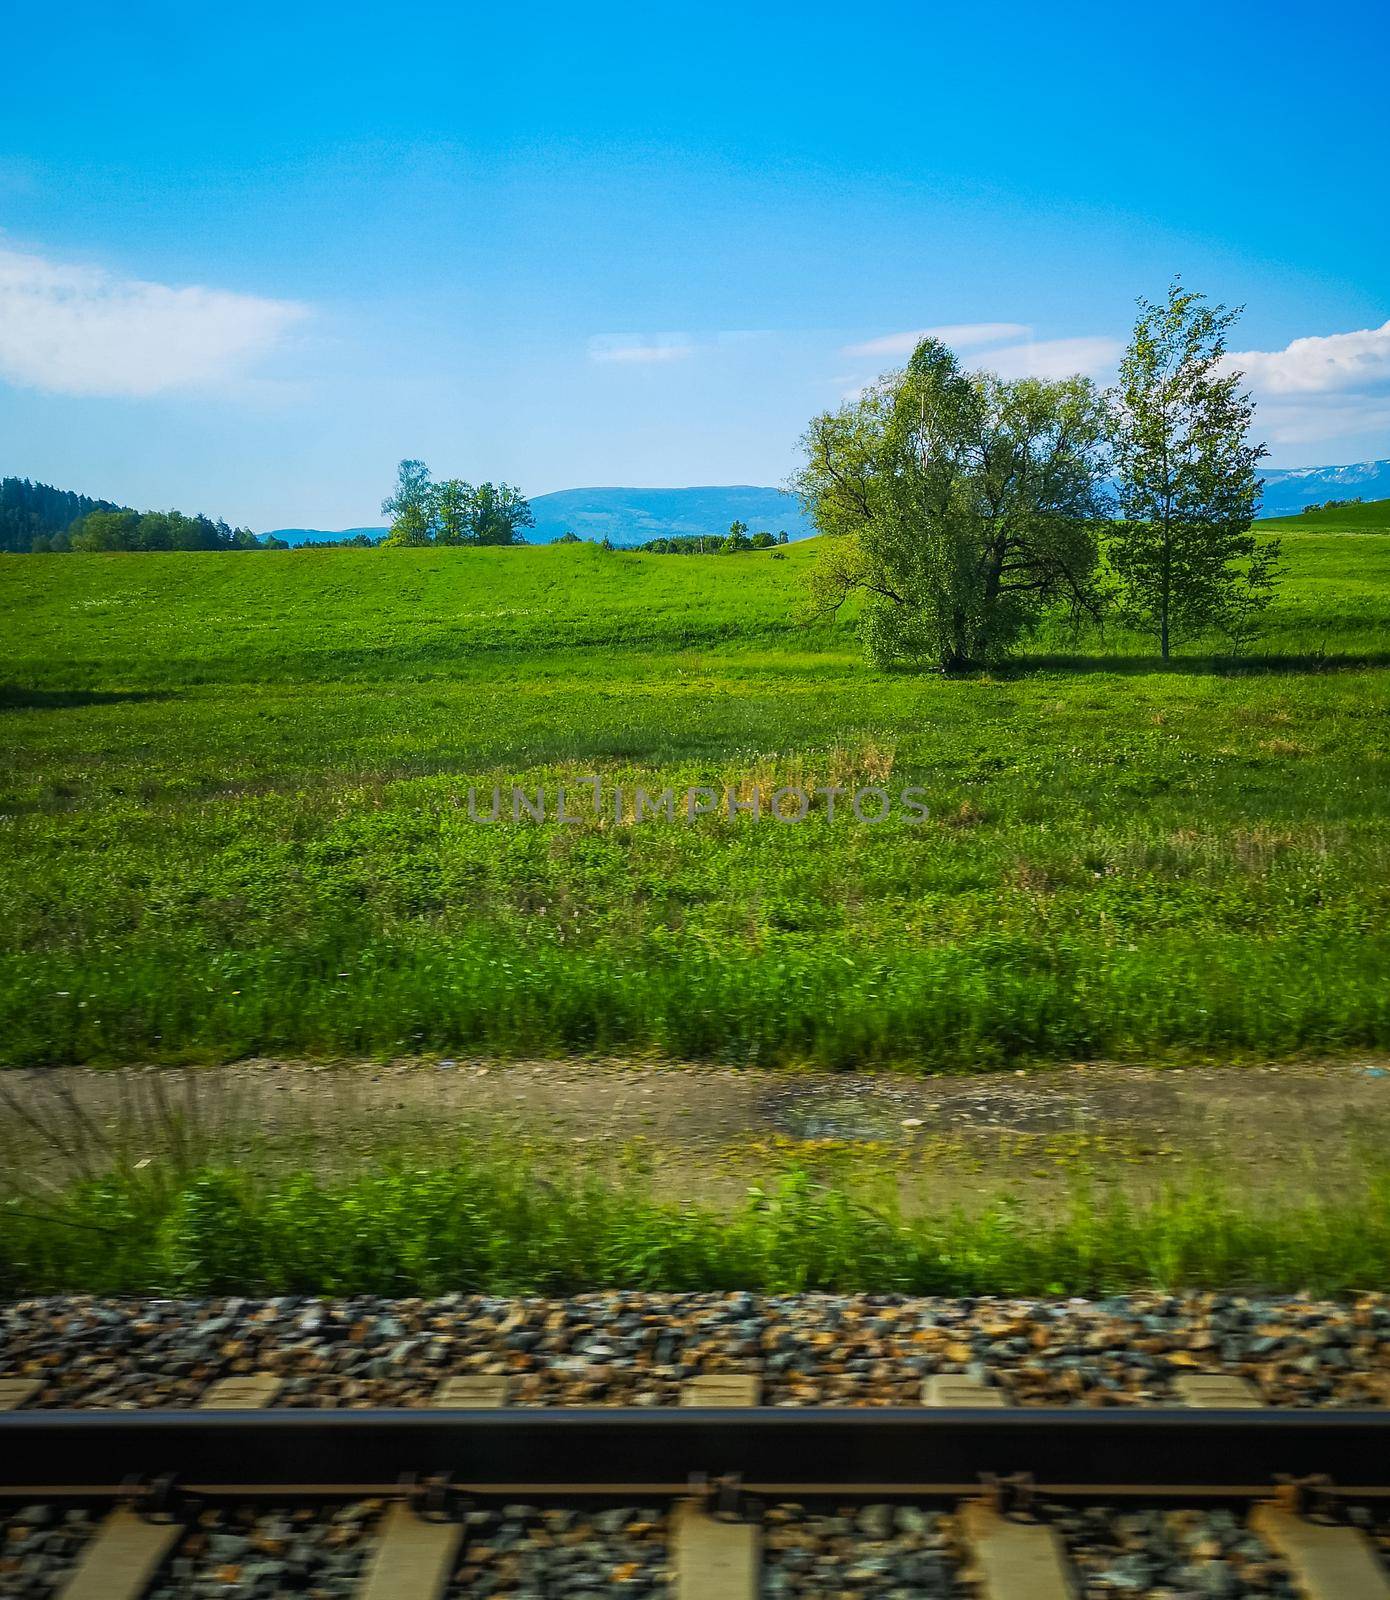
709, 1132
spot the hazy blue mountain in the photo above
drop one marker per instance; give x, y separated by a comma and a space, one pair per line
632, 516
1289, 489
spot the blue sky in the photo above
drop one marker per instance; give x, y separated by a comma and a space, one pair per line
251, 256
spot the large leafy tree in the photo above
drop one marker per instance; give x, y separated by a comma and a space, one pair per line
960, 506
1184, 555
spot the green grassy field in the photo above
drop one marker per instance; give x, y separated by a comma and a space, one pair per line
1372, 516
232, 805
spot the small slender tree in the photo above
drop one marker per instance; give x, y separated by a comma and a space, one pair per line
1184, 557
410, 506
736, 539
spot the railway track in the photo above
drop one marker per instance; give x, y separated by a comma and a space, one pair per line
725, 1488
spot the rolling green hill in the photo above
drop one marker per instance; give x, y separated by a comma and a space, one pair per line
1370, 516
234, 802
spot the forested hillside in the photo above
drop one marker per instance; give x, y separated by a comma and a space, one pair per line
37, 511
37, 518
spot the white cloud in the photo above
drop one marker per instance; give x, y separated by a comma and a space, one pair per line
1320, 363
80, 330
1316, 421
1093, 356
639, 348
959, 335
1320, 389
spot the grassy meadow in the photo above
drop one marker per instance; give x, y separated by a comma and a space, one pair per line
232, 806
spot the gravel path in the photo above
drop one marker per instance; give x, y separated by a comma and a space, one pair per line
636, 1349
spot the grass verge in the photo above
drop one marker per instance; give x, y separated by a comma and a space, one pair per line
491, 1221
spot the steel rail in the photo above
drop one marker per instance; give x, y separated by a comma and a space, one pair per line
659, 1451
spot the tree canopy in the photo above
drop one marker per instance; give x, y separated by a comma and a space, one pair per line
158, 530
453, 512
959, 506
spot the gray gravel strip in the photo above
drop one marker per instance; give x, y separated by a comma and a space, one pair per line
262, 1553
532, 1553
1168, 1555
526, 1552
230, 1552
873, 1552
40, 1546
637, 1349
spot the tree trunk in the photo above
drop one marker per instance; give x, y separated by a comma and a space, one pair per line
957, 656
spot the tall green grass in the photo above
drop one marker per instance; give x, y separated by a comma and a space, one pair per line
498, 1225
232, 819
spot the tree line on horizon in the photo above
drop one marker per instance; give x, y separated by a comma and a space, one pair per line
453, 512
961, 508
1331, 505
733, 543
36, 518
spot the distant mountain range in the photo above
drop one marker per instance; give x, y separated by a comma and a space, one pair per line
1289, 489
632, 516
